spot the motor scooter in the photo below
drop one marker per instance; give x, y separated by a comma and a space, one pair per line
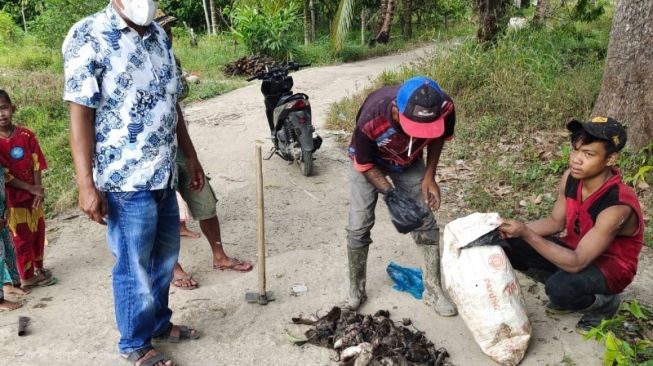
289, 117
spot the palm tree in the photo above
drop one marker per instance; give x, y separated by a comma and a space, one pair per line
386, 15
345, 15
341, 24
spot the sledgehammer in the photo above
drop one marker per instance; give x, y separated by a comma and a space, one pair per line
262, 297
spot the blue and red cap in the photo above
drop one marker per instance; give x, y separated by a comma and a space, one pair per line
419, 101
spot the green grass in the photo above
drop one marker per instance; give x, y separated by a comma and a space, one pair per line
207, 61
354, 51
38, 98
512, 102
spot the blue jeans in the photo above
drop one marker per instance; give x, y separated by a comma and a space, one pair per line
143, 236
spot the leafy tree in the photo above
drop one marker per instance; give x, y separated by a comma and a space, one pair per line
189, 11
22, 11
341, 24
7, 26
53, 23
264, 29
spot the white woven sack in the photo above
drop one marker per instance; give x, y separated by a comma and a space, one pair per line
482, 284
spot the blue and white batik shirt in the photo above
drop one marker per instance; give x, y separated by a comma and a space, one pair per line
133, 85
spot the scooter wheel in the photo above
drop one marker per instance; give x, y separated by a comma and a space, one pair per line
306, 163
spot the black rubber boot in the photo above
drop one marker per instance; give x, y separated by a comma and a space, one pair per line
604, 307
357, 258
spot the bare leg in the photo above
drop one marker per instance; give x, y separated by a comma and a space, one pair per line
185, 231
211, 229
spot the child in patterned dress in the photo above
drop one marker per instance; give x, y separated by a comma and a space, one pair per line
23, 159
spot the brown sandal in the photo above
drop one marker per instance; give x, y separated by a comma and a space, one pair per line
183, 334
136, 356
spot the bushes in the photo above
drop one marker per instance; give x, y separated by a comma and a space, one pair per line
56, 18
7, 27
265, 30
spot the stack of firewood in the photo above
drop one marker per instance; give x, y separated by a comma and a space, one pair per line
249, 65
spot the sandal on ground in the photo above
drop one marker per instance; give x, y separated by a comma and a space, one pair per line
180, 282
235, 265
177, 334
42, 283
136, 356
45, 273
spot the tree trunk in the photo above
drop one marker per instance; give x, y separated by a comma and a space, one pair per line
541, 12
407, 19
490, 13
307, 25
22, 13
363, 24
379, 22
384, 33
311, 6
627, 90
214, 16
206, 16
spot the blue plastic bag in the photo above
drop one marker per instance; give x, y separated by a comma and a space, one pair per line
406, 279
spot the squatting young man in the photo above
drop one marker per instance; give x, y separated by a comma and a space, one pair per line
586, 269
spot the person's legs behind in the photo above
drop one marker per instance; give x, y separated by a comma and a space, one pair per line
202, 205
427, 238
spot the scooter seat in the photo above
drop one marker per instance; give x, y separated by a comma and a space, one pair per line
288, 98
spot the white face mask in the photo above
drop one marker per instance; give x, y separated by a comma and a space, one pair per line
140, 12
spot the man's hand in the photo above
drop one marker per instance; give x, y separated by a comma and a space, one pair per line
39, 195
196, 174
512, 229
93, 203
431, 193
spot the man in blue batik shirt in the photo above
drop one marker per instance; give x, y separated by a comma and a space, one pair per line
122, 84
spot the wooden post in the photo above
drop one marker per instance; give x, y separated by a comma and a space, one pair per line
260, 220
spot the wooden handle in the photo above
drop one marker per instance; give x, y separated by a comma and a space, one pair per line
260, 219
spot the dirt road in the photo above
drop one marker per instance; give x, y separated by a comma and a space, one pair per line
73, 322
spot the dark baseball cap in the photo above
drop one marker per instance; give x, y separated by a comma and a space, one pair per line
604, 128
419, 101
163, 19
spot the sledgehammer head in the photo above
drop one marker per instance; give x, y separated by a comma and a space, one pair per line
255, 297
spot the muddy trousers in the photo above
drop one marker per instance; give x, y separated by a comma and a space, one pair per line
363, 199
362, 203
